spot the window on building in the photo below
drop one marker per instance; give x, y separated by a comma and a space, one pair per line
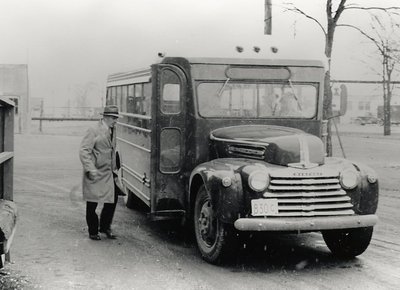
364, 106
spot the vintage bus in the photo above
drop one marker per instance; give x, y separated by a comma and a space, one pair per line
238, 146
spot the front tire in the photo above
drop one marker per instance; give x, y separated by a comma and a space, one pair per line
348, 243
214, 238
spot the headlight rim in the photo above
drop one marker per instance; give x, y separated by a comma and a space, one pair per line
266, 176
343, 175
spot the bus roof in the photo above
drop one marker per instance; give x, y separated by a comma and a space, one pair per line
144, 75
138, 76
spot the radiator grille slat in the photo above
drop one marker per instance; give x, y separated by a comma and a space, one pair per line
302, 181
314, 200
322, 213
312, 207
310, 187
304, 194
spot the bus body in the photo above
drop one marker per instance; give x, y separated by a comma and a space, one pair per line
238, 145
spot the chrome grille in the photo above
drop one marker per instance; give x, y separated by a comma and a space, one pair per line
309, 196
247, 151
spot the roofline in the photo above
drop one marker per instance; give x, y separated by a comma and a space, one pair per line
255, 61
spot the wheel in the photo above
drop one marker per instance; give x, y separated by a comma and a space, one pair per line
132, 201
129, 199
214, 238
348, 243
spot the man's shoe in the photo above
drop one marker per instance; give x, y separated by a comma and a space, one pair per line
109, 234
95, 237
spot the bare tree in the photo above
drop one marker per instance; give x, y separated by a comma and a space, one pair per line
386, 39
334, 14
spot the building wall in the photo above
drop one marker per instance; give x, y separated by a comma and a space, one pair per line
14, 85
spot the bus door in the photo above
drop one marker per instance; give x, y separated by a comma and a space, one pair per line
169, 110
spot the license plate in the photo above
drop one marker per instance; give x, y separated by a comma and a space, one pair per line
263, 207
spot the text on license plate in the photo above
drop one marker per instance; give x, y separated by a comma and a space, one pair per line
262, 207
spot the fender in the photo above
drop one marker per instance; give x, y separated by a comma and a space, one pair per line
364, 196
228, 200
369, 191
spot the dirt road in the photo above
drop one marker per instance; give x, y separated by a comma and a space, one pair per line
51, 249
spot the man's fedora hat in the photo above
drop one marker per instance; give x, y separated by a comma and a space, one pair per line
111, 111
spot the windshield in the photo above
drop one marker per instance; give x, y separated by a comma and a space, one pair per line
256, 100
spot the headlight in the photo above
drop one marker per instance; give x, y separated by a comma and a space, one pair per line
259, 180
349, 179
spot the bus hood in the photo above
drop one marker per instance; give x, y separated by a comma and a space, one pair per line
273, 144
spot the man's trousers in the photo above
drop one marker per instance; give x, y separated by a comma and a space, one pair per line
106, 216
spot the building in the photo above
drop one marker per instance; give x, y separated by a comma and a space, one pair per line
14, 85
364, 99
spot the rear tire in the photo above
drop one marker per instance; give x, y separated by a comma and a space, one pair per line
132, 201
129, 199
348, 243
215, 239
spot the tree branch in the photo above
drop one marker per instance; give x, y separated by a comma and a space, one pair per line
385, 9
363, 33
339, 11
297, 10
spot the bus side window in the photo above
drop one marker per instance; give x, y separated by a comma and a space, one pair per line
124, 98
108, 97
112, 99
118, 97
170, 94
147, 98
131, 101
139, 98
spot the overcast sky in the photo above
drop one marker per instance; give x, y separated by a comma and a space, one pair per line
67, 43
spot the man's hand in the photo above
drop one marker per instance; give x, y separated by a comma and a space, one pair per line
92, 174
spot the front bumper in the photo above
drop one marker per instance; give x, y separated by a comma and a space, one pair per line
305, 224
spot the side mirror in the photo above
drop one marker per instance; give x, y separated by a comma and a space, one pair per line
339, 101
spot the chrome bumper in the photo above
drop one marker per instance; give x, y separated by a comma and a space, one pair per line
305, 223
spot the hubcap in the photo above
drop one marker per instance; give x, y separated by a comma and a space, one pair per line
206, 224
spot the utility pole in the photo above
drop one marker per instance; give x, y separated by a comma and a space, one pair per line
268, 17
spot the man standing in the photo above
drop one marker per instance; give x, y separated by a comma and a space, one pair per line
97, 154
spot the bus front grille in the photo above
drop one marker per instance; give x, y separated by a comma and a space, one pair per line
321, 196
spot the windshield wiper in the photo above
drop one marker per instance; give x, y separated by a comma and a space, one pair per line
223, 87
294, 95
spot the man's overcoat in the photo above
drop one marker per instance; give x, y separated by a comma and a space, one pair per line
97, 152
